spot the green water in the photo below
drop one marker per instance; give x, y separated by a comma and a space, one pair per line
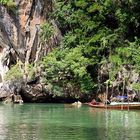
64, 122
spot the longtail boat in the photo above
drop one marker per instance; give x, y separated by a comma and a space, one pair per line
115, 105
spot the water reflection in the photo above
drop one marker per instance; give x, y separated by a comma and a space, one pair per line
122, 125
60, 122
14, 124
3, 129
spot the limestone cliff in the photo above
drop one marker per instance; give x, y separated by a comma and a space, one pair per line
19, 33
20, 41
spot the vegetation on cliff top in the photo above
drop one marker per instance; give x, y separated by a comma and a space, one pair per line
96, 34
8, 3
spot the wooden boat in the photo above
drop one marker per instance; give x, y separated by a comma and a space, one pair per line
115, 105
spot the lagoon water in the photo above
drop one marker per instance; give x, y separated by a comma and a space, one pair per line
65, 122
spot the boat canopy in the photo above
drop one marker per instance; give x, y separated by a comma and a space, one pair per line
121, 97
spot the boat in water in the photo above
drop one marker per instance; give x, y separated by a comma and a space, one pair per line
116, 105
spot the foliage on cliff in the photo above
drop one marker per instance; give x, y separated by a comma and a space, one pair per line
66, 68
100, 40
8, 3
95, 34
15, 73
46, 32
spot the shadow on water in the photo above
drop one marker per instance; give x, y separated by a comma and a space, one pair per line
65, 122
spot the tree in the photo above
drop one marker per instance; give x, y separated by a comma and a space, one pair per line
94, 32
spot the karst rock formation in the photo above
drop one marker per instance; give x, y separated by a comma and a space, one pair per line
19, 34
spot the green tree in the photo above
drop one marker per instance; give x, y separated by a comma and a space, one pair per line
94, 32
46, 32
66, 68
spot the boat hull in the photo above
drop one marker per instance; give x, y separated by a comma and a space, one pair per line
117, 106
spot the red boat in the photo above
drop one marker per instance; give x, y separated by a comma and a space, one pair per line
115, 105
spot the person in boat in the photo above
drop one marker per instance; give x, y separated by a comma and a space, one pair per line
93, 102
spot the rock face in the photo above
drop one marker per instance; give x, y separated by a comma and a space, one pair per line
19, 36
120, 83
19, 32
20, 42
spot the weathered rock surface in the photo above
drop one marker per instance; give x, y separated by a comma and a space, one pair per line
19, 32
19, 39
